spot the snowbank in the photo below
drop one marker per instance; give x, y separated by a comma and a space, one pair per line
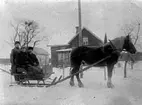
126, 92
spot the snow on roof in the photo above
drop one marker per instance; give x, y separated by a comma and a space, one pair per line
57, 45
40, 51
64, 50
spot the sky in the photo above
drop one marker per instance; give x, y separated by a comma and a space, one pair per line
58, 18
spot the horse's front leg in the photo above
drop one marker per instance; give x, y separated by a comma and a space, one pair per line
72, 81
109, 82
75, 70
80, 84
72, 78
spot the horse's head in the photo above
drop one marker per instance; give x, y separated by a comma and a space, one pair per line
128, 45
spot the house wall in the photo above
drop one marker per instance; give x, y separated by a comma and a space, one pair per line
54, 54
92, 40
64, 59
74, 42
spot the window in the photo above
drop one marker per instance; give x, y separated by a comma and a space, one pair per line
85, 40
59, 56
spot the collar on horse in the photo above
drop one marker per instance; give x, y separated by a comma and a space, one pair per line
117, 44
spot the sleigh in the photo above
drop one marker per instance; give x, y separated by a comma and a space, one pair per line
32, 79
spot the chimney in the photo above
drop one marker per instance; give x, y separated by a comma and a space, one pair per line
77, 29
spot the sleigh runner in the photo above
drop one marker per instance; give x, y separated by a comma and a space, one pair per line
25, 79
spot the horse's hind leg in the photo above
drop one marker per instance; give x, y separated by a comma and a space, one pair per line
75, 70
109, 82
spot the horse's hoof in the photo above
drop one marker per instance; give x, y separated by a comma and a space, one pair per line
72, 83
80, 85
110, 85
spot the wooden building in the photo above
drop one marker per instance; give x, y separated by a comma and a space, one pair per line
60, 54
88, 38
64, 57
54, 53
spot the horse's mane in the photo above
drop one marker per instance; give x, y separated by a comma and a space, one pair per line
118, 42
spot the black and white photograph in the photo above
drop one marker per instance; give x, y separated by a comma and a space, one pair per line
70, 52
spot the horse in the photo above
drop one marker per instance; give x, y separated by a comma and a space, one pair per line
91, 55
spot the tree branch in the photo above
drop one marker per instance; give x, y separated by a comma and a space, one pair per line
26, 32
35, 42
16, 30
137, 35
11, 44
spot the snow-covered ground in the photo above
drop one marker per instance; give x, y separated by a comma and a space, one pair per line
126, 92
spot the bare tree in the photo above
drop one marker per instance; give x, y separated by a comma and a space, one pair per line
133, 30
27, 33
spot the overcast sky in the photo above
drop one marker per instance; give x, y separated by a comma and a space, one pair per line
58, 18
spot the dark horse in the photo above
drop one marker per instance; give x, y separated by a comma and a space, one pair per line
90, 55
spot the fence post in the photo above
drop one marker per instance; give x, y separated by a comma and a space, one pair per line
125, 69
63, 71
105, 73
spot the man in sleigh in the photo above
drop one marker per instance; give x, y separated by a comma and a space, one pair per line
25, 64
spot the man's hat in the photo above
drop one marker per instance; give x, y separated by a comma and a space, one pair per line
17, 42
30, 48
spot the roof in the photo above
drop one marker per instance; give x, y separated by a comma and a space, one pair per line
40, 51
64, 50
57, 45
84, 28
